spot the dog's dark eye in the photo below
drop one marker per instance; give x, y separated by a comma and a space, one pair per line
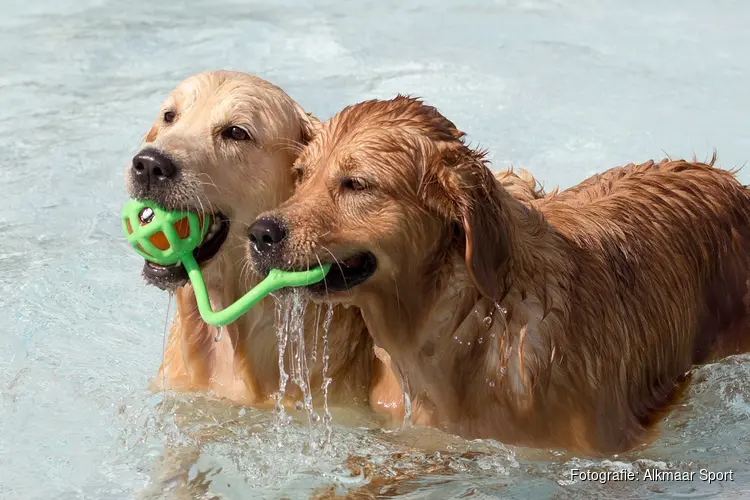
353, 184
235, 134
169, 116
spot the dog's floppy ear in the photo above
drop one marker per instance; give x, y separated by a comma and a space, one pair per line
309, 125
474, 201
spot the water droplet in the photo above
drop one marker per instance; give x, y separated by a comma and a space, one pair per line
480, 340
487, 322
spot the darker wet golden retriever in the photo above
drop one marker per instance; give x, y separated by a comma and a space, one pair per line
563, 321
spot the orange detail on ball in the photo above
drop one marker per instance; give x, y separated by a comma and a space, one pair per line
182, 227
159, 240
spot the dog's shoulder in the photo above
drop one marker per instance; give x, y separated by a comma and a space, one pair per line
679, 185
666, 175
602, 184
625, 213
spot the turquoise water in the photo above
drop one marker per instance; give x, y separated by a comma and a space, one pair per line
564, 88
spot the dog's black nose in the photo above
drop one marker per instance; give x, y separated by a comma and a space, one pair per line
151, 166
266, 234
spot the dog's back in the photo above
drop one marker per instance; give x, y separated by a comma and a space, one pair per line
672, 240
710, 209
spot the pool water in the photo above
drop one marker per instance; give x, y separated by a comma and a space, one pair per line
563, 88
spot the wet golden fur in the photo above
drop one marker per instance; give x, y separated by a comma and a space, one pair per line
387, 390
561, 321
242, 180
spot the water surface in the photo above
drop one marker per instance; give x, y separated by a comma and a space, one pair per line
564, 88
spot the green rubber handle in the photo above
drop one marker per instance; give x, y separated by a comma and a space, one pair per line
168, 237
275, 280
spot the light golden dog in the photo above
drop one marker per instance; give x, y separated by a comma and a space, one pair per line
223, 145
564, 321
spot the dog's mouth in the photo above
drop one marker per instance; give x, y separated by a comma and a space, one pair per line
168, 277
346, 274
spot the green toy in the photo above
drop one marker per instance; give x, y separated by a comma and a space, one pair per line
167, 237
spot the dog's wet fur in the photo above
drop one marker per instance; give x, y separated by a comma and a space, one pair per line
566, 321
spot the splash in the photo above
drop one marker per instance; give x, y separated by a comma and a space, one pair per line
314, 358
407, 401
300, 371
294, 365
164, 343
326, 379
283, 314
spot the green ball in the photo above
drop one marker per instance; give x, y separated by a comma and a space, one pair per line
162, 236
